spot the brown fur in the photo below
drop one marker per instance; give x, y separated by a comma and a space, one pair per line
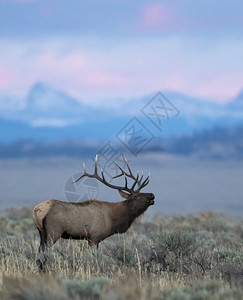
92, 220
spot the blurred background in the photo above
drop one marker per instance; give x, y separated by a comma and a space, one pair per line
157, 81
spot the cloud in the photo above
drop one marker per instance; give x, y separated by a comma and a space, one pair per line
68, 64
25, 1
31, 18
159, 16
6, 78
51, 122
94, 69
222, 86
106, 80
192, 18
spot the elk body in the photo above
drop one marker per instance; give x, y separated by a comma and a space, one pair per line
92, 220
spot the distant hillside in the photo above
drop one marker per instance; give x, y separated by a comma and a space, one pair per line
238, 102
51, 123
216, 143
49, 115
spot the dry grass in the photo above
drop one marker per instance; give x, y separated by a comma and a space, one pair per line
199, 257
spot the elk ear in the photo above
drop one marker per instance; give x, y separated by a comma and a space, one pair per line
123, 194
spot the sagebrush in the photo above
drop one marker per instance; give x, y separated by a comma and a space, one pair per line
193, 257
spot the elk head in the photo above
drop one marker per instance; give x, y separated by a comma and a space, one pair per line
138, 202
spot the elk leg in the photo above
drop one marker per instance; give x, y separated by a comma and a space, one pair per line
52, 238
92, 243
45, 244
41, 260
42, 240
50, 235
46, 241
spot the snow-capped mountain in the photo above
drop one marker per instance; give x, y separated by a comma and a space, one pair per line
49, 114
237, 103
48, 107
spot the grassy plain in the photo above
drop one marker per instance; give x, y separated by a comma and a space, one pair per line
160, 257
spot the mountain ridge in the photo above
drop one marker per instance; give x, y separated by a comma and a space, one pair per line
50, 114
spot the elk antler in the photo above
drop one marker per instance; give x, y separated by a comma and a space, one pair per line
117, 187
130, 175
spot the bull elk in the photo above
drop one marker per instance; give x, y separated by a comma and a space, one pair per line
92, 220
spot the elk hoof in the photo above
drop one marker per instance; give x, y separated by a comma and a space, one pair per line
41, 264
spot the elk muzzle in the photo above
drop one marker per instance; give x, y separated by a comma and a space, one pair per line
151, 199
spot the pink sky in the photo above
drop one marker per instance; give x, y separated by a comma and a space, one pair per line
159, 16
162, 49
125, 70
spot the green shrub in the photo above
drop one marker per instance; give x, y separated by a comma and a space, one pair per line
89, 289
197, 291
179, 243
174, 251
158, 258
230, 272
29, 288
123, 255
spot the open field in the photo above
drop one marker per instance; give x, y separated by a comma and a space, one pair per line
182, 185
160, 257
172, 252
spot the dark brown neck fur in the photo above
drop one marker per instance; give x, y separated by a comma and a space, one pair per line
123, 215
